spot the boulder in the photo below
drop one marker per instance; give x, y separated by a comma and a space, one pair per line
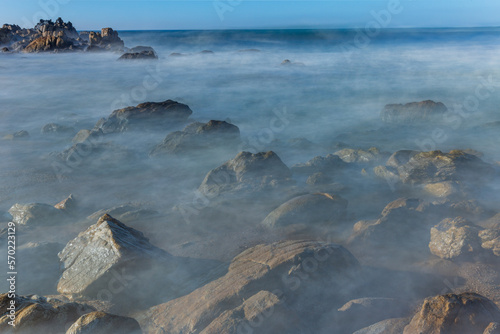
414, 112
246, 175
106, 40
104, 323
413, 167
148, 115
200, 137
389, 326
23, 134
138, 55
451, 313
34, 214
312, 210
455, 239
40, 315
490, 239
53, 128
305, 276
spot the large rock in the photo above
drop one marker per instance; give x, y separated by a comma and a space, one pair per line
107, 40
104, 323
39, 315
414, 112
466, 313
246, 175
139, 52
200, 137
49, 43
36, 214
413, 167
455, 239
146, 115
306, 277
310, 210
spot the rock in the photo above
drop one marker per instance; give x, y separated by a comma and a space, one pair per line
39, 315
350, 155
389, 326
491, 240
5, 49
213, 135
413, 167
49, 43
455, 239
415, 112
256, 275
246, 175
68, 204
205, 52
57, 129
17, 135
145, 115
104, 323
138, 55
312, 210
363, 312
286, 62
107, 40
289, 63
177, 54
249, 50
492, 223
445, 189
36, 214
87, 135
493, 328
327, 165
464, 313
319, 179
58, 28
127, 213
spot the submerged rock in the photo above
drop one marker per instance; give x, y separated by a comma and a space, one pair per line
23, 134
267, 275
414, 112
36, 214
57, 129
104, 323
464, 313
213, 135
138, 55
149, 115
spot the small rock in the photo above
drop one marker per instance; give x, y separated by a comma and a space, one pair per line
36, 214
57, 129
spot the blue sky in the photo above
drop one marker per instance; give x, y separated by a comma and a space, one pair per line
241, 14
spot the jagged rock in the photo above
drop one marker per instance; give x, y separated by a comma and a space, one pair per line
107, 39
104, 323
414, 112
40, 315
363, 312
493, 328
350, 155
36, 214
389, 326
455, 239
145, 115
275, 268
23, 134
413, 167
449, 314
68, 204
246, 174
200, 137
57, 128
138, 55
491, 240
492, 223
311, 210
48, 43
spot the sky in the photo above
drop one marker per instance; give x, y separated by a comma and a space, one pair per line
252, 14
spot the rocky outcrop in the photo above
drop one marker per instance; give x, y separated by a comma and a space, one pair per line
200, 137
104, 323
140, 52
151, 115
414, 112
49, 43
246, 175
106, 40
304, 277
39, 314
413, 167
53, 128
448, 314
490, 239
455, 239
34, 214
312, 210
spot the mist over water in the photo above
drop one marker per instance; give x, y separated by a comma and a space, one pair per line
331, 95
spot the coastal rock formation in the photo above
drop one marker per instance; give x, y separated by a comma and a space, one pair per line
309, 210
257, 279
414, 112
147, 115
36, 214
40, 315
106, 40
413, 167
455, 239
200, 137
49, 43
246, 174
464, 313
104, 323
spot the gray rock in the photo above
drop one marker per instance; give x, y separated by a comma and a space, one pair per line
415, 112
53, 128
104, 323
143, 55
36, 214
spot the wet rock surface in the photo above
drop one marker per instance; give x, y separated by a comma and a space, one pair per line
413, 112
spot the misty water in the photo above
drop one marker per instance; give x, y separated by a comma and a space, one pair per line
332, 95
